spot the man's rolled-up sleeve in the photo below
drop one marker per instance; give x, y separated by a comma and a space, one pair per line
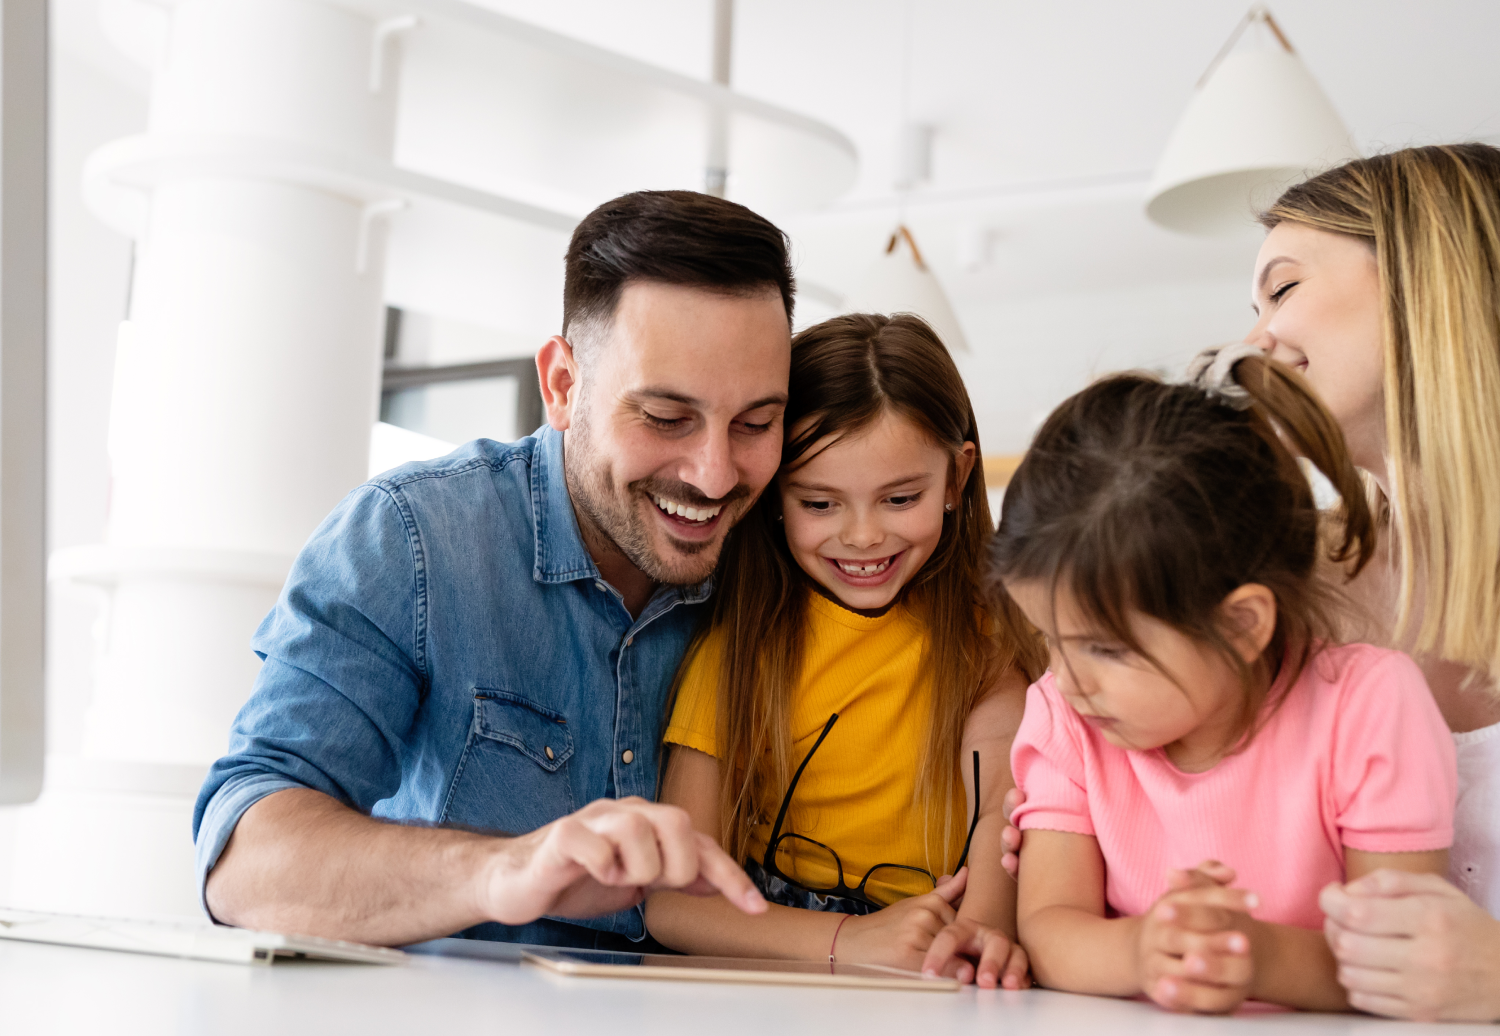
343, 675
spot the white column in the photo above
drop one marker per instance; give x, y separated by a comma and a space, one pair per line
248, 381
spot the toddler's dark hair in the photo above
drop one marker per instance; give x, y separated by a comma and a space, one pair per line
1139, 495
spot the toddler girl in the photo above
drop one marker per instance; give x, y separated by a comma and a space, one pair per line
1202, 757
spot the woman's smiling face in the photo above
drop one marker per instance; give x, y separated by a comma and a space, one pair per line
866, 511
1317, 297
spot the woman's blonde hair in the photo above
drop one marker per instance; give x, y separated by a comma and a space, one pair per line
1432, 215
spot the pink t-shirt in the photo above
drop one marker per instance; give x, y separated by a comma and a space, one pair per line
1357, 755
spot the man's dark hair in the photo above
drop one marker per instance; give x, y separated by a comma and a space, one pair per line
674, 237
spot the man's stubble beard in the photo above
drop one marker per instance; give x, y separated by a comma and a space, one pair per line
616, 516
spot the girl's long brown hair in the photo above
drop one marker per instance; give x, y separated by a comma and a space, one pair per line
1161, 499
845, 373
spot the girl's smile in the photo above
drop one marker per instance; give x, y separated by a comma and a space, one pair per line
866, 510
871, 572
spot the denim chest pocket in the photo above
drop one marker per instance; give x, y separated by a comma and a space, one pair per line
513, 776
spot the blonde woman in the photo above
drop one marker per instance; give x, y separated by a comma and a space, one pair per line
1380, 281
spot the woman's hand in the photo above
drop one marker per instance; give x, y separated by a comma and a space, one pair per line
1413, 946
1011, 836
900, 935
1191, 954
972, 952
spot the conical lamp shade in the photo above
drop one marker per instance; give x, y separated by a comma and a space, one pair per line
901, 282
1257, 125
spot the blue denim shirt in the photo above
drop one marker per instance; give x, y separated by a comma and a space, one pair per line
445, 651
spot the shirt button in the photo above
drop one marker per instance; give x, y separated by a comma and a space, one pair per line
599, 584
629, 641
548, 750
627, 757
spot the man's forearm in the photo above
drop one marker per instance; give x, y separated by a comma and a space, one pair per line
299, 861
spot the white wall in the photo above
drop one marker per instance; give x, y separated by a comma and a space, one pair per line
90, 268
1039, 351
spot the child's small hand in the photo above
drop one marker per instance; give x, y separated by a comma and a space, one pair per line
899, 935
1192, 954
1205, 875
1010, 838
972, 952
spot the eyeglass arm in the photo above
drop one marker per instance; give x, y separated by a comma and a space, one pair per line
973, 823
786, 800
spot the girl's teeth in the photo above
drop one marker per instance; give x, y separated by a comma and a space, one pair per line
865, 570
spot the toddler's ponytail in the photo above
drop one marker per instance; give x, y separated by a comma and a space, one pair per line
1242, 376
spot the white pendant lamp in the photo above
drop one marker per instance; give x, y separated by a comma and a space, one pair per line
1257, 123
900, 281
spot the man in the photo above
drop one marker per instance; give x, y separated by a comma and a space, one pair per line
484, 643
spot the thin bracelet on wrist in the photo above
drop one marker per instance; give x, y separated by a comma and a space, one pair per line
834, 945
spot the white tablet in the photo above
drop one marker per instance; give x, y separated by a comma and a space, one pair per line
198, 940
607, 964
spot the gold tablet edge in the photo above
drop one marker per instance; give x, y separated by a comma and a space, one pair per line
756, 978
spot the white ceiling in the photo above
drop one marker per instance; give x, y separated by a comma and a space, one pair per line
1026, 93
1048, 118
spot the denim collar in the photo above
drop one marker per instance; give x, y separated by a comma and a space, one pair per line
561, 556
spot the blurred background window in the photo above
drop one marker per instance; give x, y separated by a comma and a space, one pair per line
433, 384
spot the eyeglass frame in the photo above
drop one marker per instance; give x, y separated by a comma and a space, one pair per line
842, 890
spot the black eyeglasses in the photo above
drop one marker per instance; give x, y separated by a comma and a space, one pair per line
894, 874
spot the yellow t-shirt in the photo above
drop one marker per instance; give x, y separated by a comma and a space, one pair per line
857, 794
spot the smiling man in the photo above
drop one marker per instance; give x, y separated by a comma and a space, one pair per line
469, 650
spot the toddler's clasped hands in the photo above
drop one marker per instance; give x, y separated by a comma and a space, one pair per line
1193, 953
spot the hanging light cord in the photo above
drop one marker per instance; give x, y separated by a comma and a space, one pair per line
1257, 13
911, 242
903, 190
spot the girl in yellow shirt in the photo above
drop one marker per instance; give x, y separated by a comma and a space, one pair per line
830, 722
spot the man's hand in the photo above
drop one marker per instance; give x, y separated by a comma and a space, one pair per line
1413, 946
606, 857
899, 935
972, 952
1191, 953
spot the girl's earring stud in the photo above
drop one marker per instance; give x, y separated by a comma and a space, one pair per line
948, 508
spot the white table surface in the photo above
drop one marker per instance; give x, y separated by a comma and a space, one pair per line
57, 989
